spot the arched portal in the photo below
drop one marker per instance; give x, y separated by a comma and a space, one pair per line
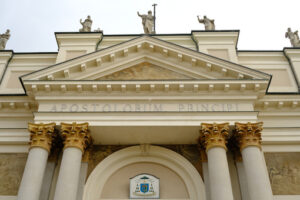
159, 157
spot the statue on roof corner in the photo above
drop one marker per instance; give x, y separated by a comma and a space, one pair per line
86, 24
208, 23
97, 30
148, 22
4, 38
293, 36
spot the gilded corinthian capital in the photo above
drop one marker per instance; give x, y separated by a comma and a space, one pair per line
76, 135
41, 135
214, 135
248, 134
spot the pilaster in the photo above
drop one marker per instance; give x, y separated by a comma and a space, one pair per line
5, 56
293, 55
74, 44
219, 43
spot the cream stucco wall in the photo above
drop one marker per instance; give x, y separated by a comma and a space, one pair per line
274, 63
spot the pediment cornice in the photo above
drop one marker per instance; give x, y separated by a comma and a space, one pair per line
145, 48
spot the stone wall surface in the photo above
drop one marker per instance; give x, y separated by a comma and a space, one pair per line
99, 152
284, 172
11, 171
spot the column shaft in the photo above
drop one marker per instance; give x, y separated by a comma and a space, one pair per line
213, 139
259, 187
41, 138
68, 178
206, 179
32, 179
242, 180
76, 139
219, 177
82, 179
249, 140
203, 157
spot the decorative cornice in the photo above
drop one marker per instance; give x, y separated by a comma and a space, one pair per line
192, 86
248, 134
17, 105
214, 135
76, 135
278, 103
41, 135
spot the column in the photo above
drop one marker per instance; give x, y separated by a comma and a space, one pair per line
214, 137
205, 171
41, 137
240, 170
76, 139
249, 141
50, 171
83, 173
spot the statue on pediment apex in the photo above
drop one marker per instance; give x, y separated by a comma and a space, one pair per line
293, 36
208, 23
86, 24
148, 22
4, 38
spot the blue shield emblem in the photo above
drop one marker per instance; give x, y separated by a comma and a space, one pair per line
144, 187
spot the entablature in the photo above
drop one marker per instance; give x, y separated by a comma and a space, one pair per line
256, 87
278, 102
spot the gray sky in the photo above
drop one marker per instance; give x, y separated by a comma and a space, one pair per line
262, 23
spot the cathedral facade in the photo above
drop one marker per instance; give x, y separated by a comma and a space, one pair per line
150, 116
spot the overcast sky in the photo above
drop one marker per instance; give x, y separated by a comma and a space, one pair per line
262, 23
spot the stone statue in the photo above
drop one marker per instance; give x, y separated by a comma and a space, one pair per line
97, 30
293, 36
86, 25
208, 23
4, 38
148, 22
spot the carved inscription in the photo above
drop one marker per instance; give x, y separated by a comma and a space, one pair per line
11, 171
284, 172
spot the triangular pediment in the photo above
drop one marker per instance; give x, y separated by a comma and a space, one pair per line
145, 71
145, 58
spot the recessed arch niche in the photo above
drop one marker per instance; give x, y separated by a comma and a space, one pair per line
156, 156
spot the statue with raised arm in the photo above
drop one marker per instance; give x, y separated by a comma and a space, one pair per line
208, 23
148, 22
86, 25
293, 36
4, 38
